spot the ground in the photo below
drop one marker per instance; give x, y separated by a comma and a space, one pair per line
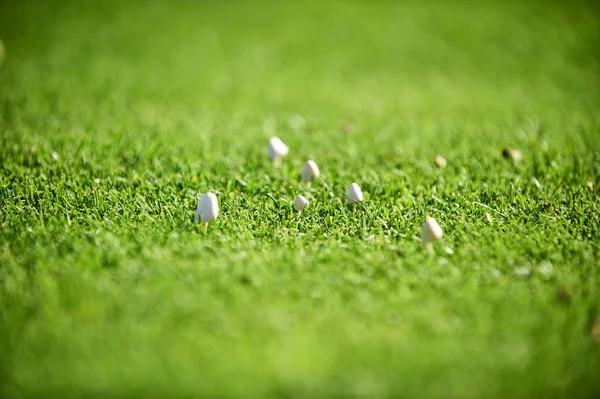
115, 116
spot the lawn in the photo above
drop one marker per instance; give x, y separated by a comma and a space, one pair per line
115, 116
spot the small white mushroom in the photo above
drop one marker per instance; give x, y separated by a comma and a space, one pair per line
276, 149
354, 194
440, 162
512, 154
310, 171
208, 209
300, 203
431, 232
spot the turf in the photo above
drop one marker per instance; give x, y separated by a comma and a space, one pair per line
115, 116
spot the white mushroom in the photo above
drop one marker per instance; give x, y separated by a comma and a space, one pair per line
276, 149
300, 203
431, 232
440, 162
512, 154
310, 171
354, 194
208, 209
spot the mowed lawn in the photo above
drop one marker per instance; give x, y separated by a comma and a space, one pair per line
115, 116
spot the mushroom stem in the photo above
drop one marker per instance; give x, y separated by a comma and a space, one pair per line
205, 226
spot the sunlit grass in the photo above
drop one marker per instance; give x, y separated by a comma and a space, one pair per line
116, 117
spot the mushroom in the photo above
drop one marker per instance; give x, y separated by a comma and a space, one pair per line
208, 209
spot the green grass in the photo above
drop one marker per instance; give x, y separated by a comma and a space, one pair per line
115, 116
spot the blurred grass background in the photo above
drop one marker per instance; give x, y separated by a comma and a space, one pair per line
114, 115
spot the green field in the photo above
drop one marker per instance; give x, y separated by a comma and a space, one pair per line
115, 116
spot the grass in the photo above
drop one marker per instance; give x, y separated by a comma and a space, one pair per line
115, 116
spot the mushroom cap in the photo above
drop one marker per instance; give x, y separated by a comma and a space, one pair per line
310, 171
354, 193
300, 203
431, 231
440, 161
208, 208
276, 148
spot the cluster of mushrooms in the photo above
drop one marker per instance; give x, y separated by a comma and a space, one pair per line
208, 208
